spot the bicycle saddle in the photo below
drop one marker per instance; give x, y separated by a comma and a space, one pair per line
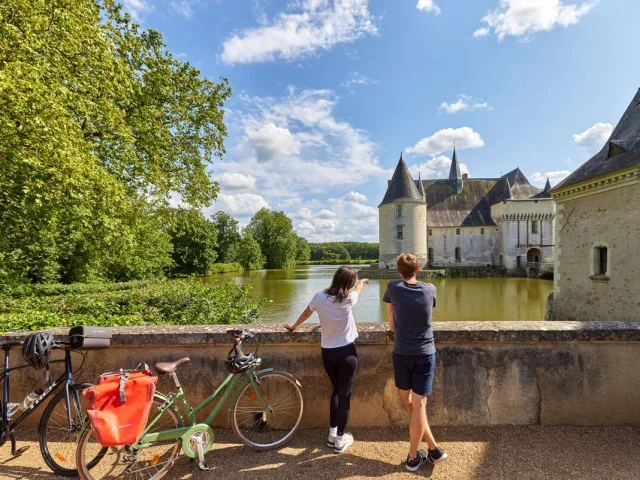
170, 367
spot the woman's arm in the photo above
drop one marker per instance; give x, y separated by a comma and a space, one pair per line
392, 323
360, 285
306, 314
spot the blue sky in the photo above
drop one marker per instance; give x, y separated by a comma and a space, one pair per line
327, 93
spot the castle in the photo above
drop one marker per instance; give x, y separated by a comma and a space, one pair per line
462, 221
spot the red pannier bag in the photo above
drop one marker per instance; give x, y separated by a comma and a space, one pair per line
119, 406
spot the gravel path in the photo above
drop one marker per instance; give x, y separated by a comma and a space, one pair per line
506, 452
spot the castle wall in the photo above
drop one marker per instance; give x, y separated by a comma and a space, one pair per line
476, 247
414, 233
609, 219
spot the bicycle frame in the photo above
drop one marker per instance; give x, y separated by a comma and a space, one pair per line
228, 387
65, 379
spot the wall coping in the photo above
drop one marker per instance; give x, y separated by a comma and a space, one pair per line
376, 333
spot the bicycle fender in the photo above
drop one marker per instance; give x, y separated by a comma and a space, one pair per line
239, 389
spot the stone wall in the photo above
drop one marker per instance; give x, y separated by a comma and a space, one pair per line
476, 245
488, 373
608, 219
414, 233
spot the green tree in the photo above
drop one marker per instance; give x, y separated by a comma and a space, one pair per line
228, 235
247, 253
274, 233
194, 242
99, 124
303, 250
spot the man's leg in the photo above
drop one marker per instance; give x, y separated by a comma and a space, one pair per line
418, 423
407, 396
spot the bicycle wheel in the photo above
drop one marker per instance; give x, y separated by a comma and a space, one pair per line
125, 462
259, 429
58, 442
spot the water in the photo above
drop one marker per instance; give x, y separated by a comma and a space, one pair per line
458, 298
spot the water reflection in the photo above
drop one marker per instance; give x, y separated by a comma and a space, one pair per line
458, 298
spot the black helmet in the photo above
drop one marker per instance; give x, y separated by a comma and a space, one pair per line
239, 363
37, 349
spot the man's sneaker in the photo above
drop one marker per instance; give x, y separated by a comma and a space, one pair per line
436, 456
331, 441
414, 464
341, 445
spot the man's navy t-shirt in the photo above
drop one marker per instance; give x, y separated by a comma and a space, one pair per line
412, 308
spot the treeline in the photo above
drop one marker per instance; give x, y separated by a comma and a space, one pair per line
344, 251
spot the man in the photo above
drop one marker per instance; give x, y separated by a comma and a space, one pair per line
410, 304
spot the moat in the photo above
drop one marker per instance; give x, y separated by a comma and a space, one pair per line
458, 298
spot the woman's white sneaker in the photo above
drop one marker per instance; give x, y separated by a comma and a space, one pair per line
331, 441
342, 443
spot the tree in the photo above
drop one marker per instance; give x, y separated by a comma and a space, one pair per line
274, 233
303, 250
247, 252
194, 242
99, 124
228, 235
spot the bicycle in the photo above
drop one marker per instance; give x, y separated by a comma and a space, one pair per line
62, 419
266, 409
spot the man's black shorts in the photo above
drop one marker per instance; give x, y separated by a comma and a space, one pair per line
414, 372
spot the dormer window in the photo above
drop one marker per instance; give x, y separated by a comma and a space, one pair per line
615, 149
399, 211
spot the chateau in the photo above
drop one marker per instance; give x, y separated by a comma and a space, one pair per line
462, 221
598, 224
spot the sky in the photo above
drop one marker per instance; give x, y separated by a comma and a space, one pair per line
326, 94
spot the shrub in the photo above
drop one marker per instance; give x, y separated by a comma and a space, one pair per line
225, 268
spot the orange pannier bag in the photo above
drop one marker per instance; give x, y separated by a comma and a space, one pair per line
119, 406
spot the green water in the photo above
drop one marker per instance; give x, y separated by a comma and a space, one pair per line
458, 298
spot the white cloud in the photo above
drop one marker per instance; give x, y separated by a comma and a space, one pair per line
554, 177
316, 25
241, 204
136, 8
464, 102
357, 79
428, 6
443, 140
594, 137
437, 167
236, 181
522, 18
354, 197
324, 213
183, 7
270, 141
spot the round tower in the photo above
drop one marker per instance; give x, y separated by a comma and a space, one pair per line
403, 218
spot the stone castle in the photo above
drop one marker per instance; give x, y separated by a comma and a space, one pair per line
462, 221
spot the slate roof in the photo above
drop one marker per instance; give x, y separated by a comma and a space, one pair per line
402, 186
626, 139
454, 171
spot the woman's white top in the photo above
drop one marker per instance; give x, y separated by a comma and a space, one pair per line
336, 319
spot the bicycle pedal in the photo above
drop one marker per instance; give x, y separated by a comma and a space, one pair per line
20, 451
203, 466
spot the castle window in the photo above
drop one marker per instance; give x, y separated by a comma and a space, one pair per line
458, 254
501, 261
430, 232
399, 232
601, 259
482, 231
399, 211
457, 231
430, 255
518, 261
534, 226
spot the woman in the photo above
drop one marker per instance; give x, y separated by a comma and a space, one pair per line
338, 351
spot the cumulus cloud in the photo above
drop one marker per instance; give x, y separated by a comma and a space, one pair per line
269, 141
357, 79
594, 137
437, 167
523, 18
354, 197
556, 177
314, 25
137, 8
428, 6
443, 140
324, 213
236, 181
241, 204
464, 102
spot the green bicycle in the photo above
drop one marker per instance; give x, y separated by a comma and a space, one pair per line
266, 409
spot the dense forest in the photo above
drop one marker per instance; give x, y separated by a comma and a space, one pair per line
344, 251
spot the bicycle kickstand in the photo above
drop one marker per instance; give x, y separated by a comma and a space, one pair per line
17, 452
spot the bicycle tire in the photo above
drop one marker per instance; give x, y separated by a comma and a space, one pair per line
53, 457
257, 410
114, 455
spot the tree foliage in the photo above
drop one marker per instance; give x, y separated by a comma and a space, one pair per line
344, 251
99, 125
303, 250
247, 252
194, 242
274, 233
228, 235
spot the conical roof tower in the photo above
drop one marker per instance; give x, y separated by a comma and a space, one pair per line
402, 186
455, 177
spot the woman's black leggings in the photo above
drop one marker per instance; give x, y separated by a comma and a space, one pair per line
340, 364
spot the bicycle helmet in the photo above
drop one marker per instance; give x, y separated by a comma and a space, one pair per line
37, 349
239, 363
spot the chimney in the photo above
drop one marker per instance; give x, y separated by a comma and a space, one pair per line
465, 176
